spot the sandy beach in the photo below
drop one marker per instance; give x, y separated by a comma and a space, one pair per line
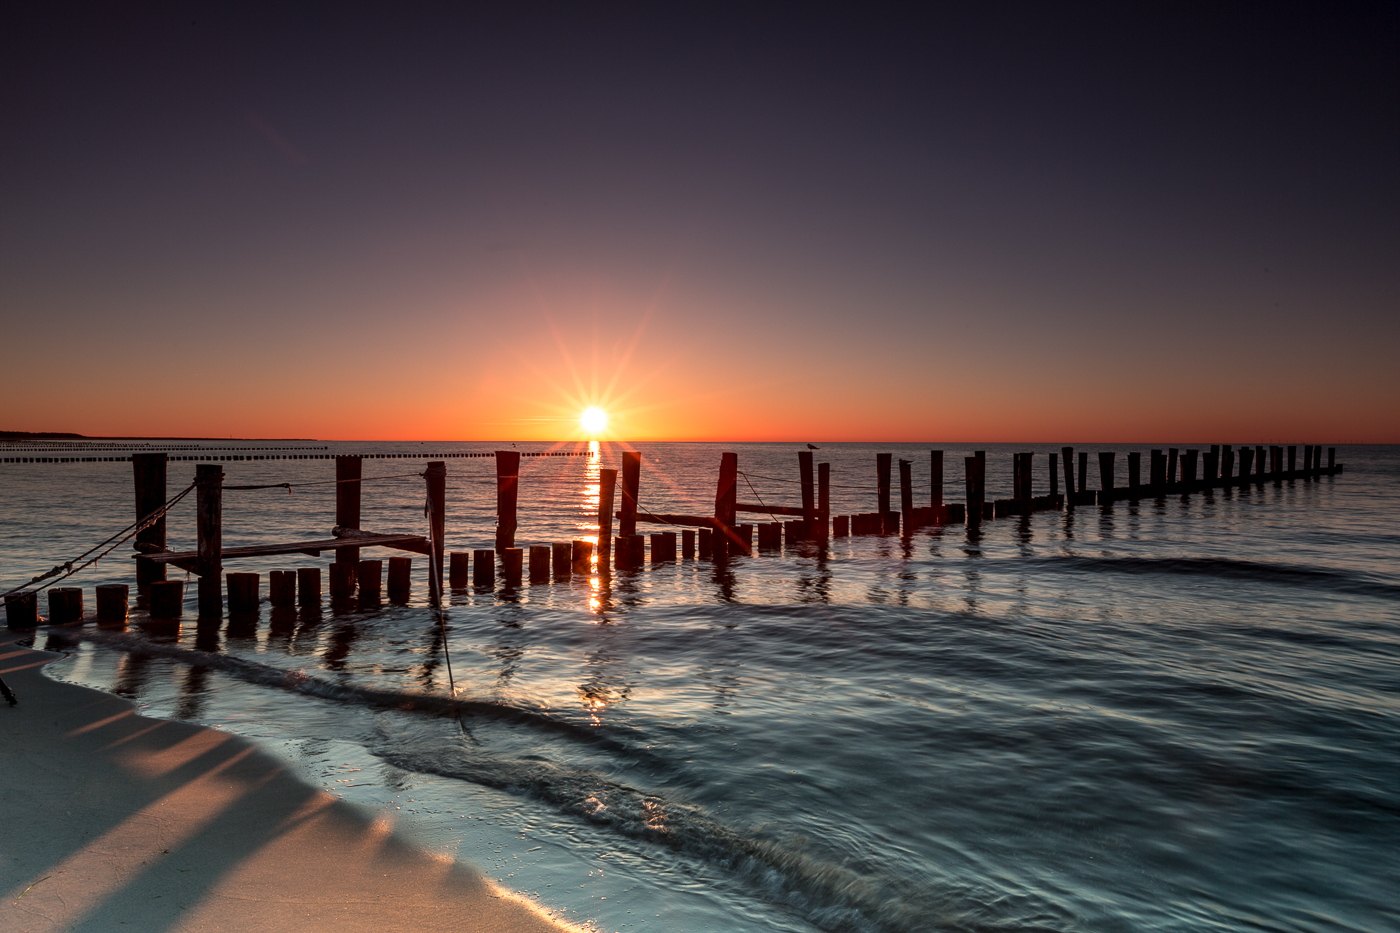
110, 820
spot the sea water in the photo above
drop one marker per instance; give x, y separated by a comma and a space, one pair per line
1179, 714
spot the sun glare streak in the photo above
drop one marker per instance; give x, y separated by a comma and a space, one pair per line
593, 420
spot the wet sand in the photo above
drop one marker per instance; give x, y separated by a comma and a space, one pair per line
110, 820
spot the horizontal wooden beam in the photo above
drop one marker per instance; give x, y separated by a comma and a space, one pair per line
770, 509
694, 521
185, 559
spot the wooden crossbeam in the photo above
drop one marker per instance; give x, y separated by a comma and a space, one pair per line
770, 509
186, 560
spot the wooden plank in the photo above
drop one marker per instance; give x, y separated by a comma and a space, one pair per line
693, 521
767, 509
415, 543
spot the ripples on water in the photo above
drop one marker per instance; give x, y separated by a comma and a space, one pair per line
1179, 715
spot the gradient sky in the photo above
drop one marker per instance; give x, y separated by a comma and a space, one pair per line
1014, 222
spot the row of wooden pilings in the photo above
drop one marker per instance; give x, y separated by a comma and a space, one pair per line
715, 537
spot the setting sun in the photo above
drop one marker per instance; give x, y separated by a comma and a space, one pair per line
594, 420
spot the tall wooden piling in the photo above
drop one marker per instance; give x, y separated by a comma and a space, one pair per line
809, 496
148, 471
1292, 458
1054, 476
1331, 458
1261, 463
823, 503
1083, 471
400, 579
436, 478
906, 495
1227, 463
1106, 474
631, 490
1188, 467
1134, 473
209, 564
882, 482
1246, 463
1068, 454
726, 506
1171, 466
975, 469
607, 483
347, 502
507, 494
1157, 471
935, 497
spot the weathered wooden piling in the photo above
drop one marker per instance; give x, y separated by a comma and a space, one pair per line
1261, 464
631, 489
705, 543
343, 575
435, 476
512, 565
1106, 475
581, 554
347, 501
1331, 458
209, 506
687, 544
539, 563
840, 526
1189, 462
148, 471
242, 592
1210, 466
1171, 466
1227, 463
1134, 473
882, 482
975, 468
725, 538
22, 611
1246, 464
507, 493
1054, 476
65, 605
562, 555
400, 579
167, 599
906, 495
809, 493
282, 589
1292, 458
483, 567
1157, 471
607, 483
1068, 454
637, 544
309, 587
459, 569
823, 516
112, 599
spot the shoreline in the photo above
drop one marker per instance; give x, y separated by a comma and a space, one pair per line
112, 818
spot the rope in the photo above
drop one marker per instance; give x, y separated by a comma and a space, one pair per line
67, 569
757, 496
796, 482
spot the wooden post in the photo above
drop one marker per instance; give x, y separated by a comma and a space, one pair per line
638, 547
1083, 471
459, 569
688, 544
906, 495
1106, 474
607, 483
282, 589
935, 472
1227, 464
22, 611
347, 502
1068, 454
512, 565
309, 587
1292, 459
658, 548
823, 517
882, 483
622, 552
436, 477
1331, 458
668, 541
975, 468
1188, 467
148, 471
400, 579
343, 574
1212, 465
65, 605
1015, 476
209, 493
809, 501
561, 553
483, 567
507, 491
631, 489
242, 593
704, 541
1134, 473
841, 526
1246, 463
539, 563
726, 506
167, 599
1027, 477
1054, 475
1261, 463
369, 577
1171, 466
581, 553
112, 602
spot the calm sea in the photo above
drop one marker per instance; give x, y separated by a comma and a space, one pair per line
1177, 715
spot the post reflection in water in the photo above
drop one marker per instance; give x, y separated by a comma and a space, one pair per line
132, 670
598, 691
343, 638
307, 633
206, 637
814, 579
193, 693
432, 657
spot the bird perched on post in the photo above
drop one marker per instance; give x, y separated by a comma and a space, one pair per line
813, 447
